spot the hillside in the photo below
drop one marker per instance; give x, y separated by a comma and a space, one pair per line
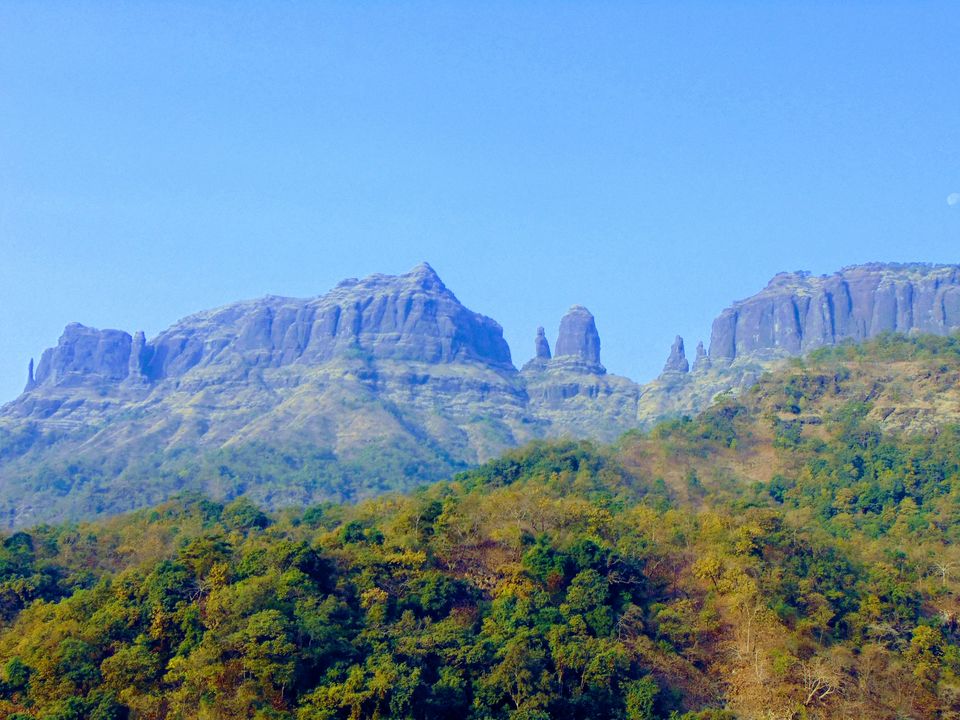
387, 382
787, 554
904, 388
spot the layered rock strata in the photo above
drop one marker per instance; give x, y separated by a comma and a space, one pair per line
798, 312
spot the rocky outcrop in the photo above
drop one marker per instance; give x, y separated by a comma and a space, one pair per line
391, 372
384, 374
677, 360
571, 394
382, 377
31, 382
798, 312
411, 317
139, 356
579, 338
85, 356
541, 346
702, 360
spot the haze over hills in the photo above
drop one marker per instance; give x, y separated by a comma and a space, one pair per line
383, 383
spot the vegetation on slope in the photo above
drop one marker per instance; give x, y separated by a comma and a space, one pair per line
787, 555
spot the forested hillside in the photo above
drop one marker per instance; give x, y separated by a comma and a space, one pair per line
787, 554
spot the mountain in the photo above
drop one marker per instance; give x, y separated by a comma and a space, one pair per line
380, 383
383, 383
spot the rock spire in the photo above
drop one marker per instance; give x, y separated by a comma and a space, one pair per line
702, 360
541, 345
677, 361
31, 383
578, 336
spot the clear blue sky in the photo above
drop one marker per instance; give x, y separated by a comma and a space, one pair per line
651, 161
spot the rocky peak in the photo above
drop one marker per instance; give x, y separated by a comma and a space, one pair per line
677, 360
702, 360
426, 277
410, 317
578, 336
85, 355
31, 383
541, 346
798, 312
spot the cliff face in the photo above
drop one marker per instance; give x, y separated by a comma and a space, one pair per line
85, 356
798, 312
412, 317
389, 380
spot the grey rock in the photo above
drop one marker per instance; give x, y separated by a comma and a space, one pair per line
411, 317
394, 363
677, 360
702, 360
139, 353
85, 356
798, 312
31, 382
579, 337
397, 363
390, 362
541, 346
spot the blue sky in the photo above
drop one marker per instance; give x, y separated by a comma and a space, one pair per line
652, 161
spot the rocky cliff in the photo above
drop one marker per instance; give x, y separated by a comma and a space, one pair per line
798, 312
413, 318
383, 381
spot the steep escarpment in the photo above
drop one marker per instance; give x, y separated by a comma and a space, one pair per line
798, 312
412, 318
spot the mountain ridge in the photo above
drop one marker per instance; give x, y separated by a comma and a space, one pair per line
381, 382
